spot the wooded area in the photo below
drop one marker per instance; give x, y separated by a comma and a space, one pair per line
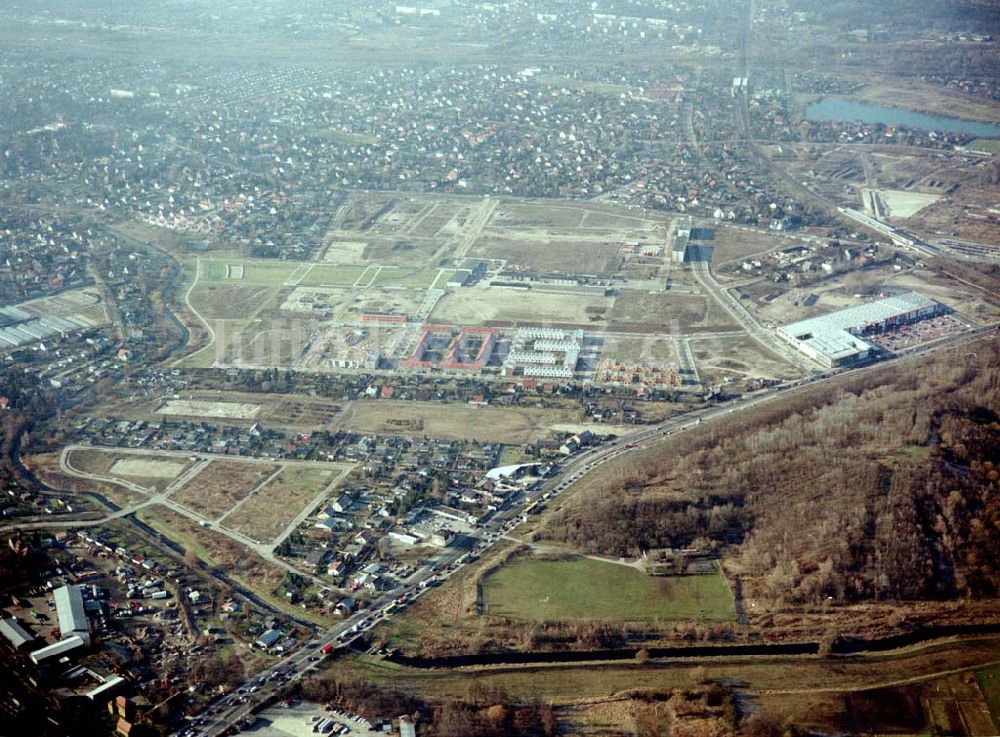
487, 712
883, 487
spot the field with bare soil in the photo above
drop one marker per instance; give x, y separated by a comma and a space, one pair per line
222, 484
273, 506
515, 425
498, 305
149, 471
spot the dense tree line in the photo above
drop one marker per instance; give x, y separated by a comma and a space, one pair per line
487, 712
885, 487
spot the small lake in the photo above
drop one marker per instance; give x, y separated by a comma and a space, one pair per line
833, 109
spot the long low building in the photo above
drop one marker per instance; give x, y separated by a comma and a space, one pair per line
57, 649
71, 612
837, 339
18, 637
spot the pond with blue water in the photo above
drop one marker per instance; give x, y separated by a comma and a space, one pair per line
835, 109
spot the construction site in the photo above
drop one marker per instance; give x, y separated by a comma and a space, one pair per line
610, 371
453, 349
544, 353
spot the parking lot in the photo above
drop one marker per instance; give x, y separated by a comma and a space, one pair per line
299, 720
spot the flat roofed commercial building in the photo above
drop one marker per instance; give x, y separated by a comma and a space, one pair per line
71, 612
837, 339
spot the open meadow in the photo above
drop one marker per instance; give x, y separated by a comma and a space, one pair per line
270, 508
785, 684
146, 470
222, 484
644, 311
565, 250
586, 589
502, 306
514, 425
722, 357
223, 301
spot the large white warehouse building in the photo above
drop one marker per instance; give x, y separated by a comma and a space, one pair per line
837, 339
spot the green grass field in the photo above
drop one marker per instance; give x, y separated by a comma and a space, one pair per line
401, 276
986, 145
989, 683
582, 588
332, 275
254, 271
442, 280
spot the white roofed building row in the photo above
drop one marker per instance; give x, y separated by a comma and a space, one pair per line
545, 353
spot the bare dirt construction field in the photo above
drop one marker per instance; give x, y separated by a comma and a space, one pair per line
963, 298
651, 350
272, 507
501, 306
736, 244
198, 408
721, 358
221, 484
147, 468
568, 251
660, 312
782, 303
969, 214
291, 411
515, 425
348, 305
903, 204
344, 251
789, 306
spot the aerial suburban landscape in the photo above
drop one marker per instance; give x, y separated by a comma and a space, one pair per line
625, 368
